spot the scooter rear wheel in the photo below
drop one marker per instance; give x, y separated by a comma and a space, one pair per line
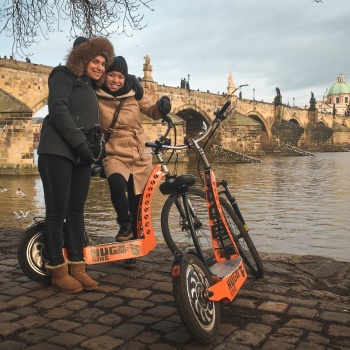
29, 254
191, 280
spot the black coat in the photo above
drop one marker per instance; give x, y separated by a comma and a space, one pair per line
73, 109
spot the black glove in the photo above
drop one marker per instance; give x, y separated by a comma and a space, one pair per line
93, 141
164, 105
83, 151
137, 87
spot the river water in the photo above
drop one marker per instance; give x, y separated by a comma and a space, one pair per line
297, 205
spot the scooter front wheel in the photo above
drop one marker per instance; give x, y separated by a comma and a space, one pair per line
201, 316
29, 254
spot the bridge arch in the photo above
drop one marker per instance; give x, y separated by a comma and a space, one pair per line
265, 131
294, 121
40, 104
194, 117
326, 122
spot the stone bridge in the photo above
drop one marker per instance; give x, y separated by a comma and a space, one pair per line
255, 127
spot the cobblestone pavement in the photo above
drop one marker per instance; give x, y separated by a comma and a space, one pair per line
302, 303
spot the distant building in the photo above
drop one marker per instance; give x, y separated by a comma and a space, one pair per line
337, 97
37, 124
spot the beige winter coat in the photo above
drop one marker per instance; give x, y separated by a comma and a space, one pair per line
126, 145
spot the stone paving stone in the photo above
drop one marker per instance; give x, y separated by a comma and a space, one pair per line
91, 296
339, 331
109, 302
269, 319
85, 315
162, 346
63, 325
317, 339
8, 316
141, 304
257, 328
36, 335
305, 324
134, 345
335, 316
302, 312
162, 287
242, 302
165, 326
49, 303
148, 337
155, 277
45, 346
226, 346
144, 319
92, 330
309, 346
283, 338
275, 345
12, 345
58, 312
126, 331
75, 304
41, 293
134, 293
226, 329
273, 307
178, 337
247, 338
127, 311
161, 298
103, 342
296, 332
8, 328
33, 321
161, 311
67, 339
21, 301
110, 319
26, 311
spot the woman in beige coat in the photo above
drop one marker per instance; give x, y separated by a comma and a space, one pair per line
127, 164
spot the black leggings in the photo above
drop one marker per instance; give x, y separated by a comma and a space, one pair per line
66, 187
124, 204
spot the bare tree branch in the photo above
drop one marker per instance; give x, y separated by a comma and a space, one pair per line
29, 21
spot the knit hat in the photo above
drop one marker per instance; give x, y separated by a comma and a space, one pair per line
119, 65
84, 50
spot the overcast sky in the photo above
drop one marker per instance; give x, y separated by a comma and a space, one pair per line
297, 45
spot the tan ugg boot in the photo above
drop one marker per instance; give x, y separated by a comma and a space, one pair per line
62, 280
77, 271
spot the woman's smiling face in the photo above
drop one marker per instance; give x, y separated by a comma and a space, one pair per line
114, 80
96, 67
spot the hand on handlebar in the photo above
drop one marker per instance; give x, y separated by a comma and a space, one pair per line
164, 105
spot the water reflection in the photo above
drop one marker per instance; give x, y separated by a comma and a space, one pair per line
296, 205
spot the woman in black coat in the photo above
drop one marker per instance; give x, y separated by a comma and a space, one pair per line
65, 158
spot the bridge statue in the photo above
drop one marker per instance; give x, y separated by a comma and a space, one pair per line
278, 97
312, 102
230, 85
147, 69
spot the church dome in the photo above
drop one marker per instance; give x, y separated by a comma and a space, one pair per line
340, 87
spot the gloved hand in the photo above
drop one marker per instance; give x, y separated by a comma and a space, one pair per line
83, 151
137, 87
93, 141
164, 105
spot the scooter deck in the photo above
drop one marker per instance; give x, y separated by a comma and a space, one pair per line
115, 251
232, 275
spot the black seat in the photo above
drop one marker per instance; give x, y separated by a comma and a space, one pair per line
172, 186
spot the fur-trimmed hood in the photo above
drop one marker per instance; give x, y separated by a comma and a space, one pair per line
85, 51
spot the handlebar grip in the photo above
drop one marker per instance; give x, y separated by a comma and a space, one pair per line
226, 105
151, 144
